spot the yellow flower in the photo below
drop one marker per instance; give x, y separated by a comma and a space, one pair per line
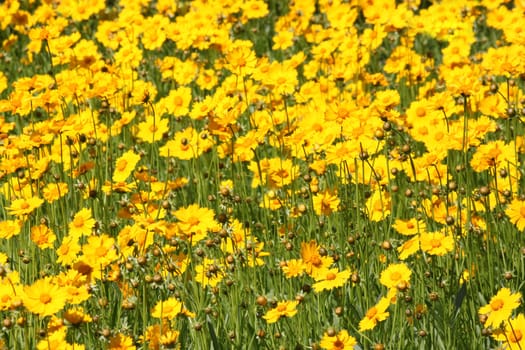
170, 309
54, 191
313, 262
241, 59
80, 10
283, 40
82, 223
375, 314
500, 307
273, 172
254, 9
76, 316
283, 309
43, 236
153, 335
44, 297
10, 292
513, 334
339, 341
187, 144
209, 273
462, 80
57, 340
154, 34
22, 207
124, 165
134, 237
408, 248
378, 11
68, 250
516, 213
100, 251
409, 227
169, 339
3, 82
326, 203
121, 342
436, 243
177, 102
207, 80
76, 286
395, 275
492, 155
152, 129
330, 279
194, 222
293, 268
271, 201
10, 228
281, 79
378, 205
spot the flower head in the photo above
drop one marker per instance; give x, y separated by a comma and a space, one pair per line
330, 279
394, 275
513, 333
375, 314
125, 165
500, 307
516, 213
436, 243
44, 297
82, 223
22, 206
339, 341
283, 309
170, 309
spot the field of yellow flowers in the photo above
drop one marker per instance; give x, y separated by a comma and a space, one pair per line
262, 174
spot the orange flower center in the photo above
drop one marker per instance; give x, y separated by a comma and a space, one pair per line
78, 221
121, 164
326, 203
241, 62
395, 276
331, 276
410, 225
24, 205
420, 112
435, 243
45, 298
63, 250
101, 251
438, 136
371, 313
522, 211
316, 260
496, 304
281, 308
193, 221
281, 80
177, 101
515, 336
423, 130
